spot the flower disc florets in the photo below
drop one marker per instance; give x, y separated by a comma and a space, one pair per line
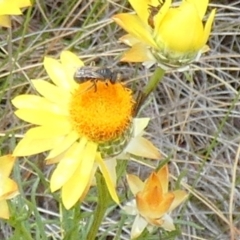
101, 112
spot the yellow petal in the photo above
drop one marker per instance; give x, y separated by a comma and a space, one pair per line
133, 25
69, 58
180, 196
6, 165
167, 223
153, 182
129, 40
135, 184
141, 9
161, 14
9, 8
110, 184
8, 188
41, 117
140, 146
56, 159
163, 178
4, 211
90, 183
208, 26
151, 206
56, 72
22, 3
5, 21
139, 125
52, 92
70, 63
201, 6
75, 186
110, 165
46, 132
181, 29
29, 146
138, 53
66, 142
67, 166
138, 226
34, 101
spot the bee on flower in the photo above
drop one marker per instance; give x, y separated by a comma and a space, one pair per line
84, 128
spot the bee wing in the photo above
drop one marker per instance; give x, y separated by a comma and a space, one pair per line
87, 73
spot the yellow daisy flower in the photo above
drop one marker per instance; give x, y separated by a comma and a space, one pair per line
8, 8
171, 36
152, 202
79, 124
8, 188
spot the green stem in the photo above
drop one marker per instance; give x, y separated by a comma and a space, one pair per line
103, 202
150, 87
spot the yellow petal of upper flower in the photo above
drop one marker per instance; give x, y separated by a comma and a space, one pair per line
141, 9
4, 211
67, 166
161, 14
29, 146
135, 184
6, 165
208, 26
110, 184
79, 180
5, 21
31, 101
188, 30
201, 6
52, 92
140, 146
66, 142
138, 53
56, 73
137, 28
129, 39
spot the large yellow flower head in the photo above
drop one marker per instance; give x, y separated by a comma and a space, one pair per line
11, 7
172, 36
153, 201
8, 188
79, 124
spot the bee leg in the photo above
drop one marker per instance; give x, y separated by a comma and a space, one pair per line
95, 86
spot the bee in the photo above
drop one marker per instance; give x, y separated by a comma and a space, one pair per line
153, 10
96, 74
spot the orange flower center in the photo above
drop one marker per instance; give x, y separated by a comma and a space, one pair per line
100, 110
